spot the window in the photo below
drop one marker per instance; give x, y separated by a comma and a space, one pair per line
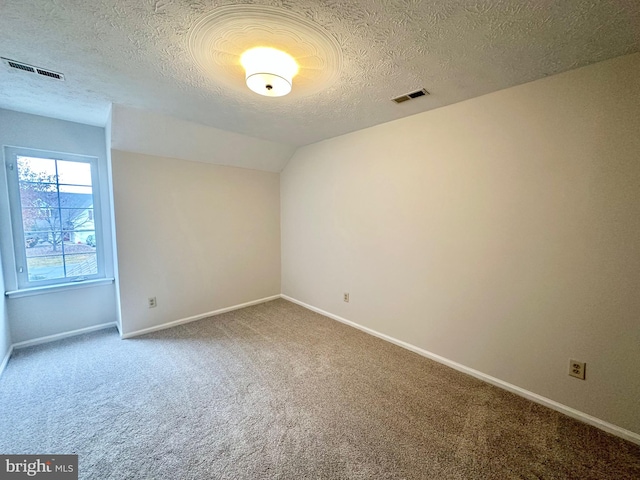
55, 212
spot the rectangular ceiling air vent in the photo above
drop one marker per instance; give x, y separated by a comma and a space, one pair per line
410, 96
25, 67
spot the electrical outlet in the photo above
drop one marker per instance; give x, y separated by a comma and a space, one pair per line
152, 302
577, 369
346, 297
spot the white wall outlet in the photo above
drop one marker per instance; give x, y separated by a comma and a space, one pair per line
346, 297
577, 369
152, 302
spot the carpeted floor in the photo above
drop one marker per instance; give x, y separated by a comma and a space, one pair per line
277, 392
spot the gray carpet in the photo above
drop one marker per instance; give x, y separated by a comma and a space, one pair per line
277, 392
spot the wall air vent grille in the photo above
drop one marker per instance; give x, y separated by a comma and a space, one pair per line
26, 68
47, 73
31, 69
410, 96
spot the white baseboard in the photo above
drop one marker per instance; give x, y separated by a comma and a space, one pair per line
547, 402
5, 360
60, 336
194, 318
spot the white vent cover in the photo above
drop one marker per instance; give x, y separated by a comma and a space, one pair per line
410, 96
32, 69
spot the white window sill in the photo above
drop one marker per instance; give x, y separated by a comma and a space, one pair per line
27, 292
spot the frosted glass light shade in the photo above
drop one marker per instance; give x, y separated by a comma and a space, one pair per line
269, 72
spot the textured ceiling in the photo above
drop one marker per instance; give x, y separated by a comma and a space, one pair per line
137, 53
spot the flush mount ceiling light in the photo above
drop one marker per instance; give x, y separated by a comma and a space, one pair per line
269, 72
219, 38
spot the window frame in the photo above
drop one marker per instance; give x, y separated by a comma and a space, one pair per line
11, 155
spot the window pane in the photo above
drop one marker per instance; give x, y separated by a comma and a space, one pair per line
54, 208
38, 195
77, 218
45, 268
41, 219
79, 241
32, 169
81, 264
75, 173
74, 199
74, 189
43, 244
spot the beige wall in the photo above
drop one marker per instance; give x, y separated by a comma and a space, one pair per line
151, 133
197, 236
5, 331
502, 233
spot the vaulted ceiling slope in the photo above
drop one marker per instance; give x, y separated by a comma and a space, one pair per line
137, 53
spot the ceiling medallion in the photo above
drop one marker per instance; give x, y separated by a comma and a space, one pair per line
218, 40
